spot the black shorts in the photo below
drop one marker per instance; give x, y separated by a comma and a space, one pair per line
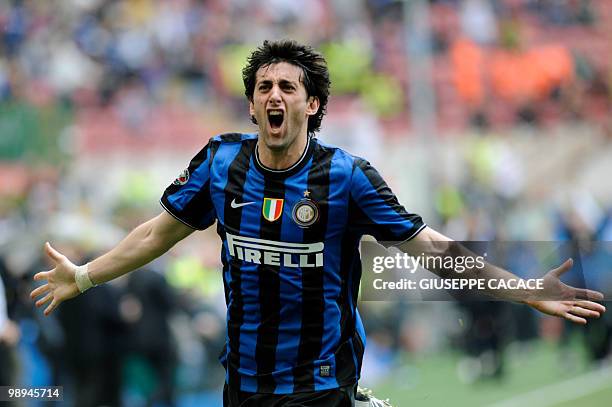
340, 397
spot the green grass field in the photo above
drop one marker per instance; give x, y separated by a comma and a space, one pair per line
542, 375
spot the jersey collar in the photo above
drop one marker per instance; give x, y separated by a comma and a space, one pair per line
287, 172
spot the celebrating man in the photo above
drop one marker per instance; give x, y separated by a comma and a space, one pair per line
290, 212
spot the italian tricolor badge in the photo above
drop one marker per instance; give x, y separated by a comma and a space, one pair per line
272, 208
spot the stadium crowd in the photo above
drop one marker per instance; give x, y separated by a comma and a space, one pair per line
494, 62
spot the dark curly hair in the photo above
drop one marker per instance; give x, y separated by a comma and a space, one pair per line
315, 78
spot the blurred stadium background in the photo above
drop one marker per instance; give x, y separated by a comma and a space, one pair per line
491, 118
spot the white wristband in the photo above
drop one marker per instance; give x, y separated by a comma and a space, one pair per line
81, 277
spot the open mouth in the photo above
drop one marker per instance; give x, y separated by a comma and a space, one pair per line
275, 118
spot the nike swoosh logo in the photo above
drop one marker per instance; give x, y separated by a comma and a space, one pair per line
235, 205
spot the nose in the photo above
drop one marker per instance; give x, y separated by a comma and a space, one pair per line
275, 94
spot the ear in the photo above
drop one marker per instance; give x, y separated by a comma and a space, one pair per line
313, 106
251, 108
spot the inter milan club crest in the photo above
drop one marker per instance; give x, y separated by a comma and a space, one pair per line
305, 212
272, 209
182, 178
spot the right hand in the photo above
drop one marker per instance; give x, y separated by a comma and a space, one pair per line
59, 283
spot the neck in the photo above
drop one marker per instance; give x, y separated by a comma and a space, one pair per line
281, 159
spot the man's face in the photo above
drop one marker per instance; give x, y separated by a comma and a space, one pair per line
281, 105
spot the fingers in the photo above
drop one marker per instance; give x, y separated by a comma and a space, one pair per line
574, 318
43, 275
52, 253
44, 300
54, 305
566, 266
39, 291
591, 306
583, 312
580, 310
588, 294
56, 257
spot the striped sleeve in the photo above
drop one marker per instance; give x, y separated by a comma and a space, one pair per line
374, 209
188, 198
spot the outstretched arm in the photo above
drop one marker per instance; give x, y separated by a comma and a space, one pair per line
144, 244
556, 298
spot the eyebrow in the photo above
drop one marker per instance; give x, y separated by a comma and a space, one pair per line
280, 82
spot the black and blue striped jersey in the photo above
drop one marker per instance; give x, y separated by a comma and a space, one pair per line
290, 254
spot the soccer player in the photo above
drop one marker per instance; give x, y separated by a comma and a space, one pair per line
290, 211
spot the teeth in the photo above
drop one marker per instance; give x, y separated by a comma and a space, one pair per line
275, 113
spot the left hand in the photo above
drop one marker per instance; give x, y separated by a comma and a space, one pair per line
573, 304
575, 311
